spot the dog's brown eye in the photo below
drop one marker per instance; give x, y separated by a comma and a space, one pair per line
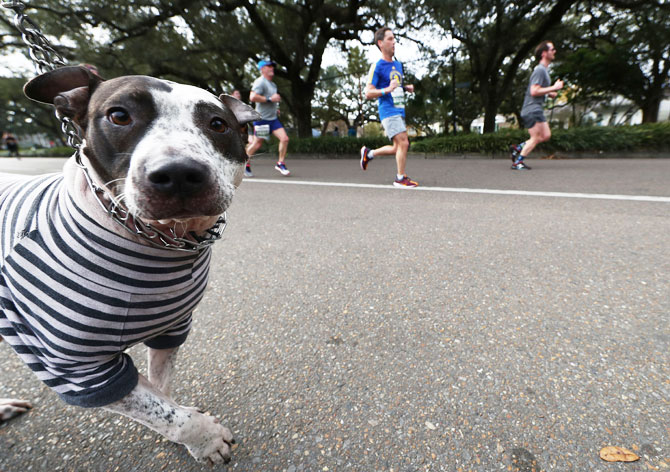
218, 125
119, 117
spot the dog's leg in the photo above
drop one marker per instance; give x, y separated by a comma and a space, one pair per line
204, 437
161, 366
10, 407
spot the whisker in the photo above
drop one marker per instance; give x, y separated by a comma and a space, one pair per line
113, 186
109, 184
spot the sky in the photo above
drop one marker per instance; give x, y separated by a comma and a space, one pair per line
15, 64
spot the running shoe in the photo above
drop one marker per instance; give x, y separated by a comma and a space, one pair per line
247, 171
282, 168
520, 166
405, 182
515, 151
365, 158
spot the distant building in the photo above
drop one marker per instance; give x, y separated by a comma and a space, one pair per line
618, 111
477, 125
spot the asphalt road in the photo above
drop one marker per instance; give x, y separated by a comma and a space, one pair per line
366, 328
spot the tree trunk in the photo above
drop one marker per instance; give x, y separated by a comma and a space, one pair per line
650, 110
490, 112
304, 120
302, 106
488, 94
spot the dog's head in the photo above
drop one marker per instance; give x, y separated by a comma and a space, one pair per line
169, 151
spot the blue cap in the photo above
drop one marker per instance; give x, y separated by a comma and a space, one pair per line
264, 63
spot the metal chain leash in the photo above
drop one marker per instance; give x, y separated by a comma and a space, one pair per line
46, 59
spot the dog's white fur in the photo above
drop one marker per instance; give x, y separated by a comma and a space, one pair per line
11, 407
150, 404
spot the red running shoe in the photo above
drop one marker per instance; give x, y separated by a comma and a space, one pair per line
364, 157
405, 182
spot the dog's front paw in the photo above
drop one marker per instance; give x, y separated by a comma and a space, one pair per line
9, 408
206, 439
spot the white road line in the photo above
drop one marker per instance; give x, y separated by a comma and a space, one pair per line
597, 196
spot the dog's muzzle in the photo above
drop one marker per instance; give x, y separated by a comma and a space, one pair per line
177, 189
120, 214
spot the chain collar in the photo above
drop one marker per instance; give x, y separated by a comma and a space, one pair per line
154, 236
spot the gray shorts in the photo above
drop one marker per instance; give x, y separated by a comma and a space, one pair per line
394, 125
533, 117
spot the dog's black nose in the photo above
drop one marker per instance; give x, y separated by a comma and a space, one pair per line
179, 178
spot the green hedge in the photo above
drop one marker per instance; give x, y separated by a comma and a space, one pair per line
60, 151
650, 137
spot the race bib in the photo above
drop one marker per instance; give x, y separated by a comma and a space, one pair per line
262, 131
398, 96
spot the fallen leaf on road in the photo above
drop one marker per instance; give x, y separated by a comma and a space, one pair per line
617, 454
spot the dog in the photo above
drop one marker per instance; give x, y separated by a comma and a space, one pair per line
81, 276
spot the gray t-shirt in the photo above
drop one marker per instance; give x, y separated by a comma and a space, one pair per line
540, 76
267, 88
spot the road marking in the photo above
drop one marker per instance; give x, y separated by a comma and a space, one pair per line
596, 196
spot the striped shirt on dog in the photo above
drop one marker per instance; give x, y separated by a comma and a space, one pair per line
74, 295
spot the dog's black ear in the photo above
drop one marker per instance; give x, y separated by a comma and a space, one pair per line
44, 88
244, 113
68, 88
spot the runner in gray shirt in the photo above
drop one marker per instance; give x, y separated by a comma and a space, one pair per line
264, 95
532, 113
266, 88
533, 104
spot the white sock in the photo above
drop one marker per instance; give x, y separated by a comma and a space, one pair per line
399, 176
370, 155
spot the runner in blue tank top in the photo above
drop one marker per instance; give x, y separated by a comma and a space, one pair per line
385, 83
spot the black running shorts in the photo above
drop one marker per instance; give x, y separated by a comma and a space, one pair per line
533, 117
